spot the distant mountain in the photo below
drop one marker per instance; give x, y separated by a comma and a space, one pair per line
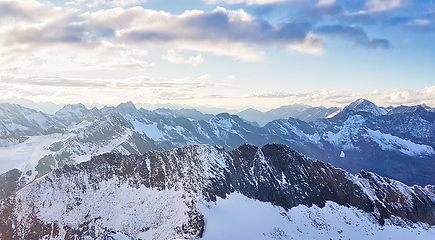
262, 118
46, 107
205, 192
315, 113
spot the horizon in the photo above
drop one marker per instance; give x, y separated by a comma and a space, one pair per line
51, 108
232, 54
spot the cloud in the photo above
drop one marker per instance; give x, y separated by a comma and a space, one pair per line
229, 79
36, 36
42, 36
173, 95
60, 90
222, 31
381, 5
405, 97
312, 44
176, 58
420, 25
388, 97
112, 3
247, 2
30, 10
324, 8
357, 34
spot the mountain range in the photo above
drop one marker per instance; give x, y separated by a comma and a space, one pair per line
394, 142
299, 111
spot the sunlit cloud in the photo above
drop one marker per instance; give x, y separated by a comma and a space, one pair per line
222, 32
110, 91
312, 44
389, 97
112, 3
42, 36
381, 5
176, 58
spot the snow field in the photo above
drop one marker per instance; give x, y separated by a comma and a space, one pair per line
238, 217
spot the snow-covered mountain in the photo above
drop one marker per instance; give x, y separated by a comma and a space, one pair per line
398, 143
205, 192
35, 143
262, 118
315, 113
395, 142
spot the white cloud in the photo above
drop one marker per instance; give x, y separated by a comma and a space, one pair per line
247, 2
112, 3
222, 32
326, 3
68, 57
420, 25
386, 98
237, 50
421, 22
176, 58
381, 5
229, 79
312, 44
204, 77
41, 36
104, 91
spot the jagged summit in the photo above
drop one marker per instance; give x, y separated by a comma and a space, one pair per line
72, 108
127, 107
364, 105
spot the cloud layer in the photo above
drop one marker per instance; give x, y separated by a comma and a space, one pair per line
32, 34
389, 97
190, 91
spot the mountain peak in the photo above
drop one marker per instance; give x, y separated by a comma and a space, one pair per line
126, 107
76, 108
364, 105
72, 109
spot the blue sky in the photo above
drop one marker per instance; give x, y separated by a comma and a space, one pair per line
218, 53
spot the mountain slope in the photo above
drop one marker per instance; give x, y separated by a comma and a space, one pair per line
394, 142
160, 195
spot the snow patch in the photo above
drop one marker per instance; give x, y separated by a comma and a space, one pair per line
344, 138
25, 156
342, 155
150, 130
391, 143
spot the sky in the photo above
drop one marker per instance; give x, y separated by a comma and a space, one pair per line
232, 54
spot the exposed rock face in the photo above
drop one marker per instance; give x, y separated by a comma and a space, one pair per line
155, 195
9, 183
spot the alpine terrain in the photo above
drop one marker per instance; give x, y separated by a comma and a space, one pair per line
396, 142
205, 192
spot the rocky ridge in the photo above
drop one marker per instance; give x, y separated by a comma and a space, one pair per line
156, 195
